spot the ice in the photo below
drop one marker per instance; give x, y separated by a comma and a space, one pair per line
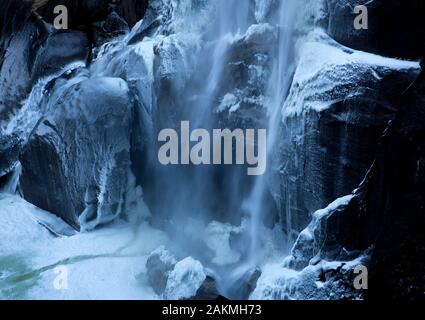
218, 235
185, 279
326, 68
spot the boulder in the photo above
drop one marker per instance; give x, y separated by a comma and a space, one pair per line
158, 267
84, 12
339, 104
59, 49
80, 12
208, 290
77, 160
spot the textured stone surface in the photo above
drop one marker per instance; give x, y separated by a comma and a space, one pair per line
385, 215
58, 50
338, 106
76, 163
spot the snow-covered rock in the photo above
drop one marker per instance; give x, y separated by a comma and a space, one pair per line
319, 267
159, 265
185, 279
81, 149
15, 74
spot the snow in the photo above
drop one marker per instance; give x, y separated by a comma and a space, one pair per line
185, 279
229, 102
278, 282
107, 263
328, 72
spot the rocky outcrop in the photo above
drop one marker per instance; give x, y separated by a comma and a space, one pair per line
58, 50
158, 267
340, 102
131, 10
9, 153
77, 161
384, 217
86, 12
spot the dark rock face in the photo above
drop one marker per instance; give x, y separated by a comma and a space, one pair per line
80, 12
158, 266
60, 49
81, 150
112, 27
17, 38
395, 27
132, 10
10, 147
385, 215
207, 291
325, 153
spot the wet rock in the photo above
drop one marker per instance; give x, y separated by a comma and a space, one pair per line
77, 161
159, 266
15, 73
246, 284
242, 101
333, 120
208, 290
10, 146
59, 49
386, 211
185, 280
113, 26
156, 16
131, 10
80, 12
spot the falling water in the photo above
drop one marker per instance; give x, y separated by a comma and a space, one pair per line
191, 198
12, 182
185, 199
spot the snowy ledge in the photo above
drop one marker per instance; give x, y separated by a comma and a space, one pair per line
328, 72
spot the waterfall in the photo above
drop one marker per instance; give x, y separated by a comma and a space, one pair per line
195, 56
277, 89
12, 182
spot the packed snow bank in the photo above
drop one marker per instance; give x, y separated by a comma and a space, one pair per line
108, 263
328, 72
